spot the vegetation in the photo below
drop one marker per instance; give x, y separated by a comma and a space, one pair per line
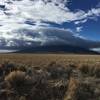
49, 77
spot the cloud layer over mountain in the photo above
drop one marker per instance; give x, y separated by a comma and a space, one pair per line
45, 36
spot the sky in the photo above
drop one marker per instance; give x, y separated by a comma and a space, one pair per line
25, 23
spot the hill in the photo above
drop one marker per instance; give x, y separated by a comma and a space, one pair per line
57, 49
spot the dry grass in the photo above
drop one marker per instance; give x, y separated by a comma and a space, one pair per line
40, 59
49, 77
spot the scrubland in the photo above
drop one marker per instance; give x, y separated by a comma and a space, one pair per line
49, 77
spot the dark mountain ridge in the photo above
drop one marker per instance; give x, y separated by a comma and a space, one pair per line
57, 49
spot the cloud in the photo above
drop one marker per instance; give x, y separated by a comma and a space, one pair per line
79, 29
96, 49
91, 14
21, 22
80, 21
42, 10
17, 14
40, 36
94, 11
5, 51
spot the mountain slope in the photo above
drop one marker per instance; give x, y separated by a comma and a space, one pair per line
56, 49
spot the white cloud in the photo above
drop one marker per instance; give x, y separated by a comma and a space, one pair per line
79, 29
43, 10
91, 14
14, 14
80, 21
7, 51
96, 49
94, 11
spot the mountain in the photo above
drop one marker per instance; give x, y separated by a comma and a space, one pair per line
57, 49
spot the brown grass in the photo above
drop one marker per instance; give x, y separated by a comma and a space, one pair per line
49, 77
44, 59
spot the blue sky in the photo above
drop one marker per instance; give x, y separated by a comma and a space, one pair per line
83, 4
90, 29
45, 22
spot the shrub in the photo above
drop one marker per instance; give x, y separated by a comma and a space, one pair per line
97, 71
8, 67
85, 91
84, 69
22, 98
57, 71
71, 93
19, 82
